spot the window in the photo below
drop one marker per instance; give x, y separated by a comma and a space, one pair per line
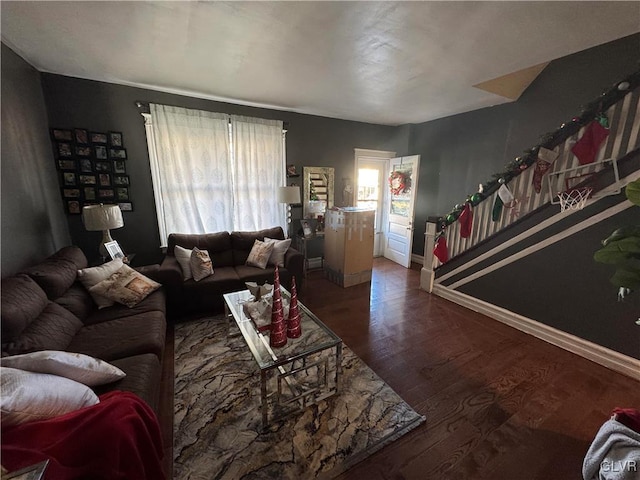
214, 172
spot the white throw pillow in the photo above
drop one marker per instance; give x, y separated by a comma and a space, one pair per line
280, 247
75, 366
183, 256
28, 396
126, 286
94, 275
201, 265
259, 255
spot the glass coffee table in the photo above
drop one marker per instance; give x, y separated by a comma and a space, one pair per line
303, 372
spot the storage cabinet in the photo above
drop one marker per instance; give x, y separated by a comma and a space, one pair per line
348, 245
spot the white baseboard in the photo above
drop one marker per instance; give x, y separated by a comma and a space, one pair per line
417, 258
596, 353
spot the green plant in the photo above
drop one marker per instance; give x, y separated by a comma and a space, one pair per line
622, 249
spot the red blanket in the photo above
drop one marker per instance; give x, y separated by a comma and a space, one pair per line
119, 438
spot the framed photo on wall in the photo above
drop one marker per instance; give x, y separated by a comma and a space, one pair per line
115, 139
122, 194
119, 166
126, 206
66, 164
121, 180
61, 135
118, 153
100, 138
64, 150
89, 193
101, 152
73, 207
83, 151
82, 136
85, 165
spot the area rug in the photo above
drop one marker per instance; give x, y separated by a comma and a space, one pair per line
218, 424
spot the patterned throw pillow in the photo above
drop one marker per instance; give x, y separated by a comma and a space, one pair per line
94, 275
260, 254
126, 286
201, 266
280, 248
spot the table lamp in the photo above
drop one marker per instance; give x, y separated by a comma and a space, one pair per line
289, 195
102, 218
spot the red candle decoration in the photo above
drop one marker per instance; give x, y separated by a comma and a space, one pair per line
278, 337
294, 330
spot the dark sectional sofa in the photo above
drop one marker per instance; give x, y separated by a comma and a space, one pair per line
229, 253
45, 307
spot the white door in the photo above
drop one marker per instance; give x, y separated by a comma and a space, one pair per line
400, 206
370, 192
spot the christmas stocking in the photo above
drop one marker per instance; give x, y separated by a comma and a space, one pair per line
440, 250
546, 157
496, 213
466, 221
587, 147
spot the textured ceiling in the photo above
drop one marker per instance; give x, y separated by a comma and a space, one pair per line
378, 62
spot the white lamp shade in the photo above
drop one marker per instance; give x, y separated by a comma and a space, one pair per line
289, 194
102, 217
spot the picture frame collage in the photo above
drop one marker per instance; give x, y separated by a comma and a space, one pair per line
92, 168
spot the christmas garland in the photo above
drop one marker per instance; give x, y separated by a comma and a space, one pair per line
590, 112
398, 182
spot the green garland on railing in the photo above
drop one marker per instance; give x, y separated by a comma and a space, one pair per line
550, 140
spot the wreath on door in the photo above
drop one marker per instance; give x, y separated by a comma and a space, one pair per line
398, 182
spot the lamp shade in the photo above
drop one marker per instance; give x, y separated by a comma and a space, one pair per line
289, 194
102, 217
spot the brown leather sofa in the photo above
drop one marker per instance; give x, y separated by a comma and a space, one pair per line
228, 252
45, 307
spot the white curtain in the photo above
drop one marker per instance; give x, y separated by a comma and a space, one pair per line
259, 170
206, 180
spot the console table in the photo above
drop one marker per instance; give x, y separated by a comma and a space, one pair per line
311, 247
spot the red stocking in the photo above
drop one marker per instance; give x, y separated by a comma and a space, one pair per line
466, 221
587, 147
545, 158
440, 250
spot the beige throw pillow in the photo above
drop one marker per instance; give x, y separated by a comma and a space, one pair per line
126, 286
94, 275
27, 396
183, 256
201, 265
260, 254
280, 247
75, 366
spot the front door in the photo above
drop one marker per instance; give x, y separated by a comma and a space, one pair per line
400, 206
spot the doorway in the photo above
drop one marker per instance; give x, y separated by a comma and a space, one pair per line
372, 168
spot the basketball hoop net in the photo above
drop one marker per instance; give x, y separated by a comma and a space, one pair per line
574, 199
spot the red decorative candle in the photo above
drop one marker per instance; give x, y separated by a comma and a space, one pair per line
294, 330
278, 336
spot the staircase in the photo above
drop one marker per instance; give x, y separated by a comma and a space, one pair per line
533, 267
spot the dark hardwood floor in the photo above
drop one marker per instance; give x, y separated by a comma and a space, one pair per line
499, 404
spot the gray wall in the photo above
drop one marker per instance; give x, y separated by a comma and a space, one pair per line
97, 106
563, 287
461, 151
33, 222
